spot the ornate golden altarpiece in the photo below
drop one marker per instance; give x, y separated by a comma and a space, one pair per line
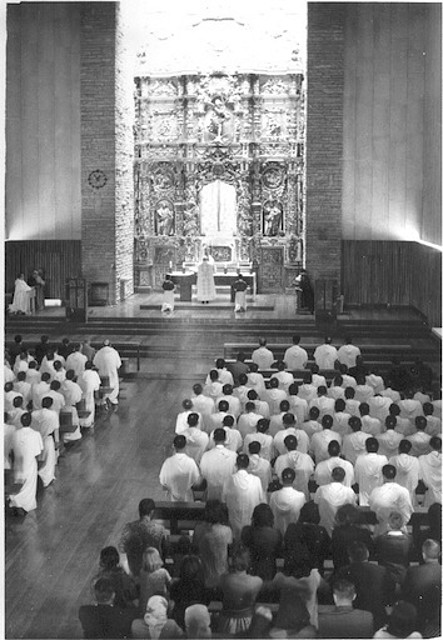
219, 163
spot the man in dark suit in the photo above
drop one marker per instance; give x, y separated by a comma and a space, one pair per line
104, 620
374, 586
422, 583
341, 620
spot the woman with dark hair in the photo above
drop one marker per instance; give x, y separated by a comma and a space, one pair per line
434, 530
347, 530
123, 585
402, 623
306, 540
239, 592
292, 620
263, 541
212, 539
188, 589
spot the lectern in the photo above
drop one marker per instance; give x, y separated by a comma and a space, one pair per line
76, 300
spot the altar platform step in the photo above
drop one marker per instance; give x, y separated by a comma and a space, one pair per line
222, 306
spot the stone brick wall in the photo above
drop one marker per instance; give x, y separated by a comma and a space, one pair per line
324, 139
106, 145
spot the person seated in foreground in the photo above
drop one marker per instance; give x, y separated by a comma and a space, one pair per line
341, 620
155, 622
402, 623
104, 619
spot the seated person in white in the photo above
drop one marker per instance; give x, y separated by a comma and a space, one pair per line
318, 380
255, 379
214, 389
430, 472
287, 502
420, 440
323, 469
196, 439
403, 425
379, 407
204, 405
298, 406
233, 402
261, 406
301, 463
354, 443
233, 439
336, 390
408, 468
320, 440
258, 465
216, 419
307, 391
331, 496
363, 391
390, 439
368, 470
263, 357
285, 378
181, 423
276, 423
295, 357
266, 441
274, 396
325, 355
247, 421
312, 425
179, 473
389, 497
433, 426
224, 376
340, 418
323, 402
347, 353
217, 465
368, 424
242, 492
352, 405
290, 428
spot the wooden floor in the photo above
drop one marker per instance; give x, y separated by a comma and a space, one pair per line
52, 554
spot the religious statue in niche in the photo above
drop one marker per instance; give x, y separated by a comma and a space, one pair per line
164, 218
219, 122
272, 218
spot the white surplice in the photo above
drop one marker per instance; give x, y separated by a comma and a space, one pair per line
216, 466
286, 504
430, 473
329, 498
21, 299
89, 382
387, 498
46, 422
368, 474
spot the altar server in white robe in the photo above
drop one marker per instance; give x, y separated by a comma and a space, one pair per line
181, 422
242, 492
287, 502
240, 287
21, 300
302, 464
368, 470
108, 362
179, 473
205, 281
389, 497
430, 472
89, 382
331, 496
325, 355
27, 445
46, 422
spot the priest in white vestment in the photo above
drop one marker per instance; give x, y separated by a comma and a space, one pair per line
108, 362
72, 394
258, 465
205, 281
302, 464
331, 496
27, 445
179, 473
242, 492
196, 439
89, 383
389, 497
323, 469
287, 502
408, 468
21, 300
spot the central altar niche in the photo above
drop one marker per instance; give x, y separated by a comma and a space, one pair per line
219, 164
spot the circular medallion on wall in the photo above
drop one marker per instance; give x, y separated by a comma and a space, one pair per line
273, 177
97, 179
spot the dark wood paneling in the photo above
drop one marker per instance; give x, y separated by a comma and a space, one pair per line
59, 259
399, 273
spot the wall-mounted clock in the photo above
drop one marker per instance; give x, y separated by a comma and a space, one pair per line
97, 179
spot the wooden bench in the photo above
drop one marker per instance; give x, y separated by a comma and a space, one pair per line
184, 516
